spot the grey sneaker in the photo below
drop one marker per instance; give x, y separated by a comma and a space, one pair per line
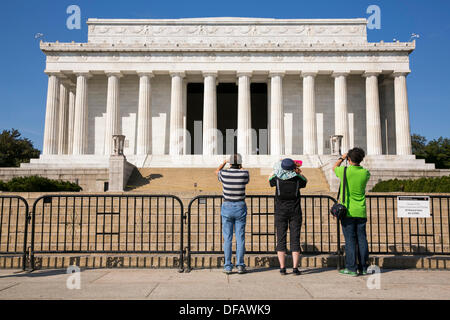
241, 269
227, 271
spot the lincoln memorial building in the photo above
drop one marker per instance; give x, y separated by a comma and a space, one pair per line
185, 92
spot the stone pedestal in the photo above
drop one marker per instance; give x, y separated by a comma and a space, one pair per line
336, 145
119, 168
119, 173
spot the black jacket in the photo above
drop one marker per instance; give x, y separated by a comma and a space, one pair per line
287, 205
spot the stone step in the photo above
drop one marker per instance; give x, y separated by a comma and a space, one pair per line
204, 180
217, 261
210, 238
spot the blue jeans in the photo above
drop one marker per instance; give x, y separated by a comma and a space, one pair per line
234, 215
354, 230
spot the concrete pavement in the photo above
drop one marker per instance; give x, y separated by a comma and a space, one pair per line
262, 283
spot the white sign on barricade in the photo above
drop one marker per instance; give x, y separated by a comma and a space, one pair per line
413, 207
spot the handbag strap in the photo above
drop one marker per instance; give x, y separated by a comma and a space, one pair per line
344, 182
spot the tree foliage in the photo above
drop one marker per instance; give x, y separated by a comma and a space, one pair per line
15, 150
435, 151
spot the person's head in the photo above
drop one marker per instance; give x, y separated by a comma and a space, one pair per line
356, 155
236, 161
288, 164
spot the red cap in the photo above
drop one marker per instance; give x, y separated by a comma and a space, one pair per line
298, 162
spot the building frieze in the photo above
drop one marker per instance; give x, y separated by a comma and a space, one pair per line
242, 46
63, 56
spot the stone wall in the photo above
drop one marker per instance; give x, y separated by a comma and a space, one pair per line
91, 180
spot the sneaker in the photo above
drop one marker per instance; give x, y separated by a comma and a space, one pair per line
348, 272
227, 270
362, 273
296, 272
241, 269
283, 271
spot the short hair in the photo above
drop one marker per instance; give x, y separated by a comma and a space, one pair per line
236, 160
356, 155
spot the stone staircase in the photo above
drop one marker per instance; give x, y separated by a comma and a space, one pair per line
197, 181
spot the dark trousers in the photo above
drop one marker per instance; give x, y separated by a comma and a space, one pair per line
283, 220
356, 246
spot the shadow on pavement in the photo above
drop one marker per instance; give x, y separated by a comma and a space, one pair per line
35, 274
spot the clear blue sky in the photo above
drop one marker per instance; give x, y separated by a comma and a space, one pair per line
23, 85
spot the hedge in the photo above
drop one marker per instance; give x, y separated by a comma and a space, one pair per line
437, 185
38, 184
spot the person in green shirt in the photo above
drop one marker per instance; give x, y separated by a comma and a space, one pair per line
354, 224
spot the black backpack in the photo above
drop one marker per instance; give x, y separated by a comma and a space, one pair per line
287, 190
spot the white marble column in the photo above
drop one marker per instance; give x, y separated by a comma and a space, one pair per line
373, 123
276, 114
244, 133
186, 134
71, 120
402, 127
51, 116
210, 113
63, 119
309, 114
80, 130
112, 125
176, 114
269, 99
340, 109
144, 125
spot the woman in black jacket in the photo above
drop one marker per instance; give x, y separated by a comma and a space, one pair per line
288, 182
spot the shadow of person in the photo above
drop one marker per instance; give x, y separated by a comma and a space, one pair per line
137, 180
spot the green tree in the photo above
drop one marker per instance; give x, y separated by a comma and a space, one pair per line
418, 144
435, 151
15, 150
438, 152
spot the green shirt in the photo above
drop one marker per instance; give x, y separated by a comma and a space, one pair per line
355, 189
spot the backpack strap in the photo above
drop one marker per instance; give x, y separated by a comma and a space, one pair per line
278, 187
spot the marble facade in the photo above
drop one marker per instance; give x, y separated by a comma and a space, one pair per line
323, 78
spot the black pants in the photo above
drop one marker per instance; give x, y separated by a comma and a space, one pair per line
293, 220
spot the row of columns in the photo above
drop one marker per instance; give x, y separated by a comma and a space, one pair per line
66, 121
373, 121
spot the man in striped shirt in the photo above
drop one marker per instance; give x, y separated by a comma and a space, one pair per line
234, 210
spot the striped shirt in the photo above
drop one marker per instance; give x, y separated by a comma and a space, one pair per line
233, 182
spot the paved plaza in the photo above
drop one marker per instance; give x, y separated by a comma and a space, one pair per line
211, 284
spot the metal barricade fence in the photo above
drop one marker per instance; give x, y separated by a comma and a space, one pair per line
14, 219
127, 224
319, 233
389, 234
108, 224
